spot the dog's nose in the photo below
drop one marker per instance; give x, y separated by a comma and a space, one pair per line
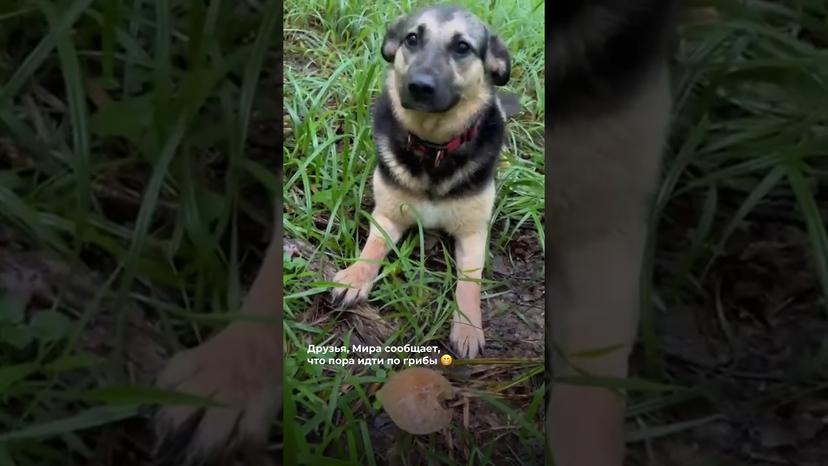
421, 87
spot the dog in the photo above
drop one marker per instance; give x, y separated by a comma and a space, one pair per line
438, 128
610, 106
239, 367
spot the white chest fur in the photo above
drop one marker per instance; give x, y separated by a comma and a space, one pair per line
458, 216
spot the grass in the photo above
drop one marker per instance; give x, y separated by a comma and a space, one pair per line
333, 71
748, 149
136, 149
130, 186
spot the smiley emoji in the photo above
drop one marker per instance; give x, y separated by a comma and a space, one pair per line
446, 360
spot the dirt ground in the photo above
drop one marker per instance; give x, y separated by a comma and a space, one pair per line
752, 338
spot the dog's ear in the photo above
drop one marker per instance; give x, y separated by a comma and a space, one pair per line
497, 61
392, 40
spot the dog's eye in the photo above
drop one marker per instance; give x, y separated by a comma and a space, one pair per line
411, 40
462, 48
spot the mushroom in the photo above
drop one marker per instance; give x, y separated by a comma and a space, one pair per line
412, 399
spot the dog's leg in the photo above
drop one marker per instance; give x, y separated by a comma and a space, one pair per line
467, 325
239, 367
597, 309
603, 180
359, 276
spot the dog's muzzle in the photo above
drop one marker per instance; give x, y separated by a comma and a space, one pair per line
422, 92
421, 88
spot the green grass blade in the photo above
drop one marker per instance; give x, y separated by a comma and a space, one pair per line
41, 52
815, 224
79, 116
87, 419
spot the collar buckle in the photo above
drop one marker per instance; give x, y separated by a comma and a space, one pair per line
437, 159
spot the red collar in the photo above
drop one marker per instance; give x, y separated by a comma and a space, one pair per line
439, 151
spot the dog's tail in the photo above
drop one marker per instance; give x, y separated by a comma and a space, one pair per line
509, 103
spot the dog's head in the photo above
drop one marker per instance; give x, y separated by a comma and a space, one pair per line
443, 55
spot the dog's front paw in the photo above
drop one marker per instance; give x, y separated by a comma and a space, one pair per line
359, 278
467, 339
238, 368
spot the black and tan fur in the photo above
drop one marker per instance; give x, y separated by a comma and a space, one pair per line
461, 61
610, 110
